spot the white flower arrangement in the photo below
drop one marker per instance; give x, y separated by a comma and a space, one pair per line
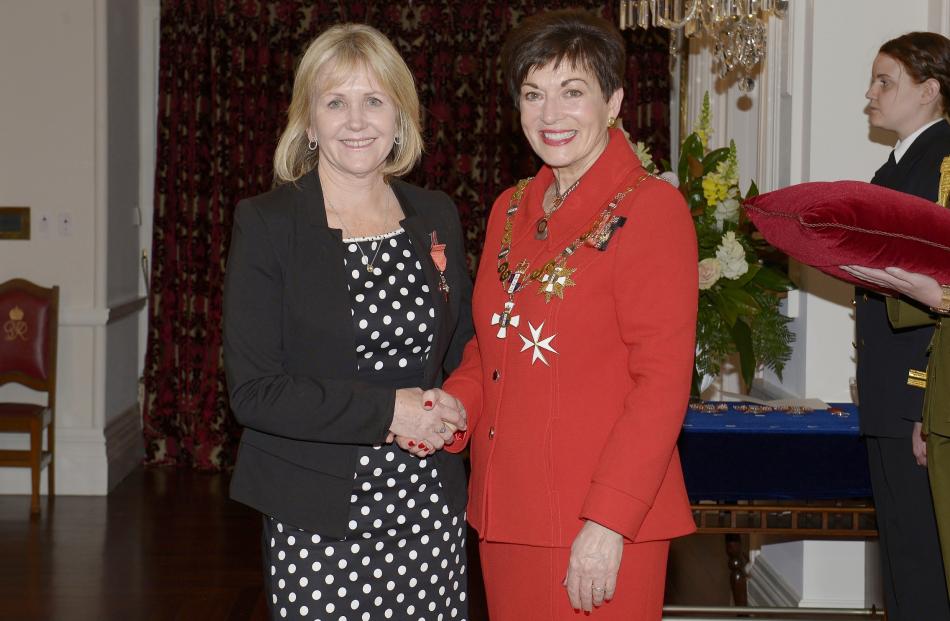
731, 257
740, 282
726, 211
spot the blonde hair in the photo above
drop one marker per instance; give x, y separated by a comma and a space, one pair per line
345, 48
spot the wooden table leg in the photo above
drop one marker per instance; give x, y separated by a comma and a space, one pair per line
736, 562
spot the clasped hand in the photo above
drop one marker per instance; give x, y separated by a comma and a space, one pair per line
425, 421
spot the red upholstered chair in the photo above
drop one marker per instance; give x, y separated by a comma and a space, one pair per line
29, 315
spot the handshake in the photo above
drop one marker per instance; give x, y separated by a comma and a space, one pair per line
425, 421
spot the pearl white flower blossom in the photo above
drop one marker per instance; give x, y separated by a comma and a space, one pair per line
727, 210
710, 270
731, 256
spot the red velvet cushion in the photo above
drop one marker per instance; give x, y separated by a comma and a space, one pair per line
827, 224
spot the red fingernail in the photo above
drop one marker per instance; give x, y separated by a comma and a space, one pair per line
411, 443
459, 434
423, 447
427, 404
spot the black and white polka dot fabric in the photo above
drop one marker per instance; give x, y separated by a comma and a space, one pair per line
392, 306
403, 557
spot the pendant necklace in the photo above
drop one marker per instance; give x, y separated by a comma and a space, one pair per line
369, 264
541, 228
554, 276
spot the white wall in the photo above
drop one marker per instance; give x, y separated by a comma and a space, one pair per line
121, 420
47, 140
69, 147
149, 36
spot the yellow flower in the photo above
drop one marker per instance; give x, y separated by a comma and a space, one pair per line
715, 188
702, 129
703, 136
722, 183
729, 167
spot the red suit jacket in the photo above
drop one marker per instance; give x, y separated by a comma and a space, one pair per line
590, 431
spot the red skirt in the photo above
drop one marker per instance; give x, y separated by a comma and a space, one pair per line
525, 582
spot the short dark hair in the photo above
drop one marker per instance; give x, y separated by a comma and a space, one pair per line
924, 55
576, 36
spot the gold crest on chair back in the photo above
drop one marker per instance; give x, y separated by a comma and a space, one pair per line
29, 315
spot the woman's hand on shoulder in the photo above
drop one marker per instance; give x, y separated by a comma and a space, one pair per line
592, 569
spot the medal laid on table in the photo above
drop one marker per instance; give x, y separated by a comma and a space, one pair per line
555, 276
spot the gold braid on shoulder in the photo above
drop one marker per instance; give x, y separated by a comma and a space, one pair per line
944, 189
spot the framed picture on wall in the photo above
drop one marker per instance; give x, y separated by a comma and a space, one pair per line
14, 222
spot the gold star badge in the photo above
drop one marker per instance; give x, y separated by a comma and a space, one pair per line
554, 282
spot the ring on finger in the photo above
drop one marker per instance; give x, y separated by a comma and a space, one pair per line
443, 428
598, 589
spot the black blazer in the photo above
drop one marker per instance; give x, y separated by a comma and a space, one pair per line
889, 407
290, 352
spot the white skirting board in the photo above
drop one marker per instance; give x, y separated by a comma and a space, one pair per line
816, 574
768, 588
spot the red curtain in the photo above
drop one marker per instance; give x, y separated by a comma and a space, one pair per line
225, 77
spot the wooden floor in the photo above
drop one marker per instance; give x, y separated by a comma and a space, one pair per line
169, 544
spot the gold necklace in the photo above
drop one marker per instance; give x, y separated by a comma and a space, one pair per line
554, 276
353, 238
541, 228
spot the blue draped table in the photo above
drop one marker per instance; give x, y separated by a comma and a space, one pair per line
732, 455
795, 475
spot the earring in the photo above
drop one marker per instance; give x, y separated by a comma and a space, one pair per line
312, 145
611, 121
397, 140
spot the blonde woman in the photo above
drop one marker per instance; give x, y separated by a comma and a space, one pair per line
346, 292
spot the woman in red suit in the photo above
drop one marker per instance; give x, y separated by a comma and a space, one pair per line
577, 382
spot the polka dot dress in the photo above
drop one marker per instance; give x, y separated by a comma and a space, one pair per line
392, 308
404, 553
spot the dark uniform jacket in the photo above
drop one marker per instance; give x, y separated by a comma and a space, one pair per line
290, 352
889, 406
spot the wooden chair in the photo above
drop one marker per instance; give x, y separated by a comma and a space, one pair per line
29, 315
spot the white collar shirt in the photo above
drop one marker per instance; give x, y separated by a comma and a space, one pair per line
903, 145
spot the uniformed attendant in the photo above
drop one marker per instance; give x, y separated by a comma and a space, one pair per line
909, 94
578, 379
936, 416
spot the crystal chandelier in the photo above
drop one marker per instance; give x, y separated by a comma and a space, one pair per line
737, 28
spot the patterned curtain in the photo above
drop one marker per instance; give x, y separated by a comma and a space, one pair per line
226, 70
